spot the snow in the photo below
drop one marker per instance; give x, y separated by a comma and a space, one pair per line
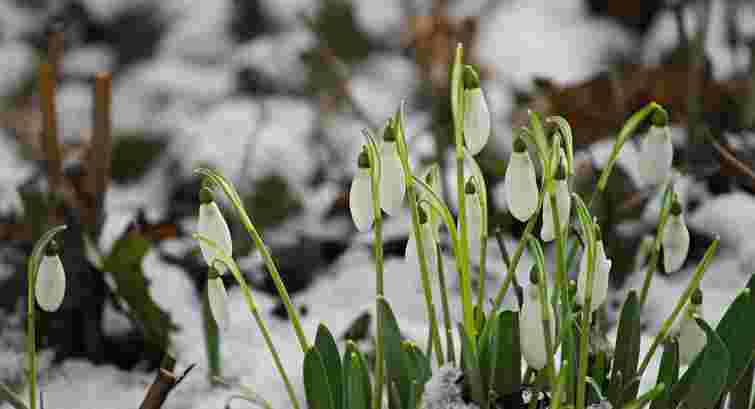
200, 33
277, 57
381, 20
85, 61
75, 108
286, 12
17, 63
381, 82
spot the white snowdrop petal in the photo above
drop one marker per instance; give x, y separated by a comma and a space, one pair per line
360, 200
218, 300
50, 285
692, 340
547, 233
476, 120
656, 155
411, 256
391, 179
600, 280
531, 334
520, 186
474, 227
213, 226
675, 243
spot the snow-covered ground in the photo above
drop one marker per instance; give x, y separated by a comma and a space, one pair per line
189, 90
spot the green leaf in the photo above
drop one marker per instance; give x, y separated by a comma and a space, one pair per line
13, 399
508, 366
472, 376
740, 396
133, 155
668, 374
627, 353
124, 263
486, 346
316, 387
357, 387
396, 361
457, 88
738, 333
328, 350
420, 371
704, 382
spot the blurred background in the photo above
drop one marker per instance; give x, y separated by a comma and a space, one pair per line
274, 94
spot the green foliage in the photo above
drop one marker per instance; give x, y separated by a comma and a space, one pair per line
328, 350
271, 201
668, 374
357, 388
738, 333
133, 155
622, 389
316, 383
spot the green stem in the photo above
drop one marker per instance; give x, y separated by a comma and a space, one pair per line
561, 287
656, 249
693, 284
211, 339
380, 290
583, 339
235, 199
510, 274
446, 310
249, 298
7, 395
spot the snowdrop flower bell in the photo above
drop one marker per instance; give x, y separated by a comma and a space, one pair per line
692, 338
50, 285
213, 226
675, 239
474, 221
392, 187
599, 276
360, 195
531, 331
411, 256
520, 184
656, 152
217, 298
563, 204
476, 114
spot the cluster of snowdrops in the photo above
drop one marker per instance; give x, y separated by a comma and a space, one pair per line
554, 313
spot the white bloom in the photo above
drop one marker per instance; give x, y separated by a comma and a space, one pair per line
212, 225
531, 334
599, 277
218, 300
675, 241
656, 154
474, 222
692, 338
392, 187
360, 199
411, 256
563, 204
476, 120
50, 286
520, 184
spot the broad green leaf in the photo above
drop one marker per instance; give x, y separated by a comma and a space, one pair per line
316, 387
740, 396
357, 387
704, 382
486, 348
668, 374
627, 352
472, 377
396, 361
738, 333
508, 355
124, 263
328, 350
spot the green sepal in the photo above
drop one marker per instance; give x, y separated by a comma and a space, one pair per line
316, 387
705, 380
326, 346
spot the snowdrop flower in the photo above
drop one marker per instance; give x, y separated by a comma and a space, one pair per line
599, 276
360, 194
432, 178
392, 187
213, 226
563, 204
50, 285
474, 221
411, 255
476, 114
217, 298
520, 184
675, 239
656, 152
692, 338
531, 331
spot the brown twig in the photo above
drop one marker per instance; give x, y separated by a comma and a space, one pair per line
100, 151
731, 160
50, 131
164, 383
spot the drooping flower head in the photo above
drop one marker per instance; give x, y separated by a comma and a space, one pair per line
474, 220
563, 204
656, 151
212, 225
50, 285
392, 187
476, 114
675, 239
692, 338
217, 298
531, 330
600, 275
520, 184
360, 194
